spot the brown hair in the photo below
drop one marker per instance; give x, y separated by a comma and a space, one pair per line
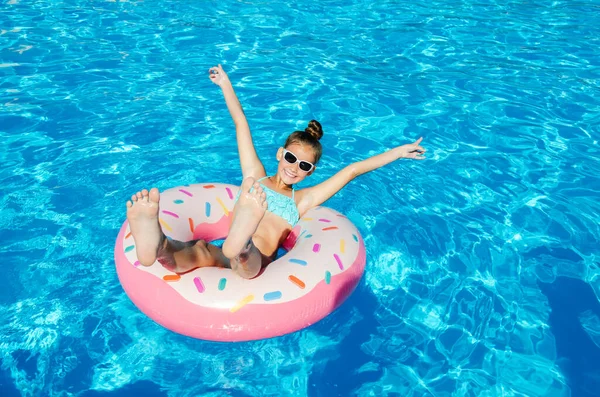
310, 136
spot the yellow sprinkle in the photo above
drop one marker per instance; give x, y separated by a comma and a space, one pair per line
242, 303
342, 246
307, 219
223, 206
165, 225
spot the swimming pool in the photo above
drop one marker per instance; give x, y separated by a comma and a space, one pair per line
482, 272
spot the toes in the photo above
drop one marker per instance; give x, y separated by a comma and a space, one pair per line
129, 204
139, 195
154, 195
134, 198
145, 194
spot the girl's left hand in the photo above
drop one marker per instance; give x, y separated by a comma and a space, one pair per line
412, 150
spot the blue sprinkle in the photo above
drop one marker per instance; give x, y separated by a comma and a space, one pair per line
127, 249
169, 238
178, 201
308, 236
298, 261
355, 238
207, 209
271, 296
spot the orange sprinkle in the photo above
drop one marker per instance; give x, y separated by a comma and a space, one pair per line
329, 228
297, 281
191, 222
208, 186
128, 235
172, 277
165, 225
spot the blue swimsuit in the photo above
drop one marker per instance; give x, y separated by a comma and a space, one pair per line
280, 204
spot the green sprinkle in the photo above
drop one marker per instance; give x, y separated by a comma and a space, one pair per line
222, 284
178, 201
127, 249
327, 277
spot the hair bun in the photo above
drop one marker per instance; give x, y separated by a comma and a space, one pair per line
314, 129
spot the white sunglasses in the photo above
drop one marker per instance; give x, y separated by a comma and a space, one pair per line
293, 159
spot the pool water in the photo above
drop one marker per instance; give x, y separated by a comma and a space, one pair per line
483, 269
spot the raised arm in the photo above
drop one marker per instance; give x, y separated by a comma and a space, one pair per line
313, 196
249, 161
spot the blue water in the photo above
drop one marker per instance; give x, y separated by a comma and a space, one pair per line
483, 269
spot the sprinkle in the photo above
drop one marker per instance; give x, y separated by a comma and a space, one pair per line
297, 281
242, 303
324, 220
128, 235
298, 261
178, 201
222, 284
191, 222
207, 209
199, 284
229, 193
208, 186
327, 277
329, 228
355, 238
339, 261
127, 249
308, 236
136, 263
316, 247
306, 219
225, 210
174, 215
341, 216
342, 246
165, 225
172, 277
186, 192
271, 296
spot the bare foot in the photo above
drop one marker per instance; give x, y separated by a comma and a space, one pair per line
142, 214
247, 214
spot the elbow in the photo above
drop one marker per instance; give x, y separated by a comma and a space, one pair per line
353, 171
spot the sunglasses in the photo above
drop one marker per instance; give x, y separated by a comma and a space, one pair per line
293, 159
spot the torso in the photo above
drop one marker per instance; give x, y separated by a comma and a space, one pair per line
273, 229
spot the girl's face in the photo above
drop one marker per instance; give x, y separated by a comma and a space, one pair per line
292, 160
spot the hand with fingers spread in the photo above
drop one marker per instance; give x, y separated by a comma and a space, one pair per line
412, 150
218, 76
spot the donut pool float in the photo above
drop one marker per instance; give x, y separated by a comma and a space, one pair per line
324, 262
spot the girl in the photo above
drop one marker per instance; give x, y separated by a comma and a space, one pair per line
267, 207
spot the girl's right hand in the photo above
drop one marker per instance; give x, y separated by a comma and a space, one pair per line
217, 75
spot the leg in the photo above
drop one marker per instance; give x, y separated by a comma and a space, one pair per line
151, 243
247, 214
249, 262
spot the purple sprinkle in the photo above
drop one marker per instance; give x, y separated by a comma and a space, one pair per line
229, 193
136, 263
316, 247
338, 260
171, 213
199, 285
186, 192
324, 220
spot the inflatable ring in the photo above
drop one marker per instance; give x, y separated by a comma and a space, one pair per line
324, 262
